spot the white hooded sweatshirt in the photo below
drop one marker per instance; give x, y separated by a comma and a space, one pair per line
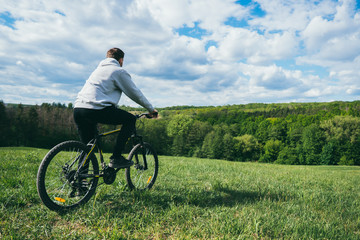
105, 86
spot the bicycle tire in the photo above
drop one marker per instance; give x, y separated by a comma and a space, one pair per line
137, 176
62, 182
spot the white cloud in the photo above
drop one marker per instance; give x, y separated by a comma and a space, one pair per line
176, 13
181, 58
239, 44
292, 15
53, 47
37, 95
340, 31
273, 77
335, 44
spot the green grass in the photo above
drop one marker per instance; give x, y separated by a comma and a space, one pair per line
192, 199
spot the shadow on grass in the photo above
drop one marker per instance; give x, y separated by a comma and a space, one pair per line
165, 198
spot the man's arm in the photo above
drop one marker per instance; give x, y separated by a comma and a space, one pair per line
125, 83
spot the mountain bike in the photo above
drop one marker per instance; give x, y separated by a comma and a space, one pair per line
69, 173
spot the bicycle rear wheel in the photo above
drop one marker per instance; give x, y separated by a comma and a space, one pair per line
142, 175
64, 180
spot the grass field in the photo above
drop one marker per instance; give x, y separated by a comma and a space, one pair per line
192, 199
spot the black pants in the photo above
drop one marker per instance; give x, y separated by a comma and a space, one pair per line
87, 119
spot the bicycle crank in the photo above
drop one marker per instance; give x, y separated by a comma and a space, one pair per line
109, 175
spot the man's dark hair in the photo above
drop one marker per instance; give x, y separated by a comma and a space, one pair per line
116, 53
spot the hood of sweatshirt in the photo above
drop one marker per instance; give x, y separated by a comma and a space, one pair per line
109, 62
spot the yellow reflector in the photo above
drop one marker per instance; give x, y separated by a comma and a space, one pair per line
149, 180
60, 199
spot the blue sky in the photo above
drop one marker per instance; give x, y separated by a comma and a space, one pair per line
195, 52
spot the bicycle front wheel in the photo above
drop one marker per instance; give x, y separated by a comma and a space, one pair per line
142, 175
65, 179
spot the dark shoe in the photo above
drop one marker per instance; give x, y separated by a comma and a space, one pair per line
120, 162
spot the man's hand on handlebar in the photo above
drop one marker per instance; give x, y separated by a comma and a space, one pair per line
153, 114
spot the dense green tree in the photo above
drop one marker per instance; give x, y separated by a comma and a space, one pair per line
31, 127
179, 124
288, 155
207, 150
19, 126
262, 132
329, 154
213, 146
278, 130
344, 131
342, 128
154, 132
247, 148
178, 129
196, 135
272, 149
295, 131
4, 125
313, 140
229, 147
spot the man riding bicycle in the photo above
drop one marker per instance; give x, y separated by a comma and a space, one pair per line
97, 100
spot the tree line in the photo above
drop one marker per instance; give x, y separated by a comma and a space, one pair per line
285, 133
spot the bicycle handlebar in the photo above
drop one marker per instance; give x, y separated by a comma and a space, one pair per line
147, 115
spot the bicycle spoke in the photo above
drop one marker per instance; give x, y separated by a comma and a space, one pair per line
143, 174
62, 181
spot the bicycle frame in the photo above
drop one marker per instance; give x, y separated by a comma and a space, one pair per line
95, 142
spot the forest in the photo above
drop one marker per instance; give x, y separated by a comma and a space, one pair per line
284, 133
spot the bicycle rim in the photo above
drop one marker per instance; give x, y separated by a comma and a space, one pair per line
64, 181
142, 175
